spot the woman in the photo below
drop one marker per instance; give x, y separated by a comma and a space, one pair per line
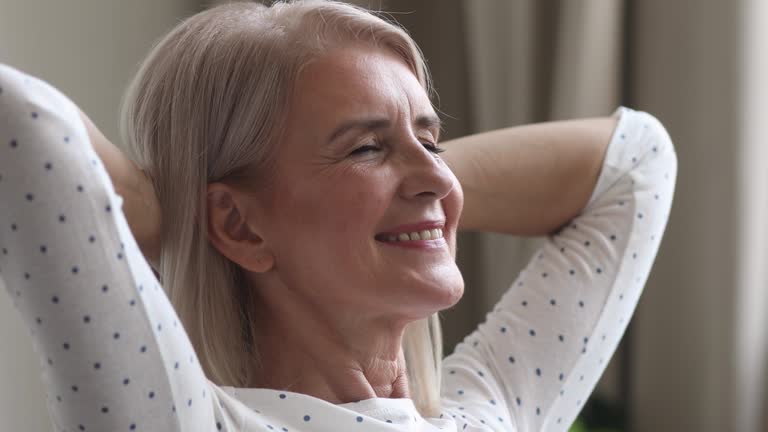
308, 238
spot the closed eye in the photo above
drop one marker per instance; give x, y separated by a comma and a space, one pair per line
365, 149
432, 147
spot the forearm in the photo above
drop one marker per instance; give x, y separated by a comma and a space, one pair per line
140, 205
531, 179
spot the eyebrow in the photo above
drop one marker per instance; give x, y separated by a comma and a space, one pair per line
423, 121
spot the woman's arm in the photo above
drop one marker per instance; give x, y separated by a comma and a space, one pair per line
531, 179
113, 353
140, 204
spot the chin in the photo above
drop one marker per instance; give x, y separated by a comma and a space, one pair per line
454, 295
437, 294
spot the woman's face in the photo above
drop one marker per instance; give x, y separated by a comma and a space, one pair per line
355, 175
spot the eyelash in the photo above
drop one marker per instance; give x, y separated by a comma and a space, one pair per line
433, 148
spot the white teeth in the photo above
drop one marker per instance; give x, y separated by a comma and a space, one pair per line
431, 234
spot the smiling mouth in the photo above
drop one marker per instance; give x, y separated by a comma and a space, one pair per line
428, 234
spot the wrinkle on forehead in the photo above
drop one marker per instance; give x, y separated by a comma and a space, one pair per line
354, 81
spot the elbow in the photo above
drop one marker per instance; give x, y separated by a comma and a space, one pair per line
661, 146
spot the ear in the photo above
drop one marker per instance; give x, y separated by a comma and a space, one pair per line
231, 230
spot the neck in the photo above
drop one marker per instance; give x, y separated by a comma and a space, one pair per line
328, 354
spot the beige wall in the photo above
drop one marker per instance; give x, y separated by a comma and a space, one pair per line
88, 49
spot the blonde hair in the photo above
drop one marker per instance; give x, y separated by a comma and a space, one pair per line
207, 105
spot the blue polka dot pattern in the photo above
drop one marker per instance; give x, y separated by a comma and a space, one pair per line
41, 227
112, 362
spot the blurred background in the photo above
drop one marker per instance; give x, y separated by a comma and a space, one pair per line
694, 355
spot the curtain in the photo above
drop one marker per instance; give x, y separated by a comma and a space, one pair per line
700, 340
695, 354
533, 61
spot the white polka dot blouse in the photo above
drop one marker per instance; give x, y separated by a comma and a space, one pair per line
114, 356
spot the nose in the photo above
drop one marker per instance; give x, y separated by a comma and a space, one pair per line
426, 176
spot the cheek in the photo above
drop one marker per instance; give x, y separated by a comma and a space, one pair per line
356, 205
343, 209
456, 199
324, 230
453, 204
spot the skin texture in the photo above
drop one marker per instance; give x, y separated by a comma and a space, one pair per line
531, 179
308, 240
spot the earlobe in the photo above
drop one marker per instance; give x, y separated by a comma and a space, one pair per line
231, 231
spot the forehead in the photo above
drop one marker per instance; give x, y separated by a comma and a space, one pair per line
357, 81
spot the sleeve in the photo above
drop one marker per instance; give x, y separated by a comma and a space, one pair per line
112, 351
538, 355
